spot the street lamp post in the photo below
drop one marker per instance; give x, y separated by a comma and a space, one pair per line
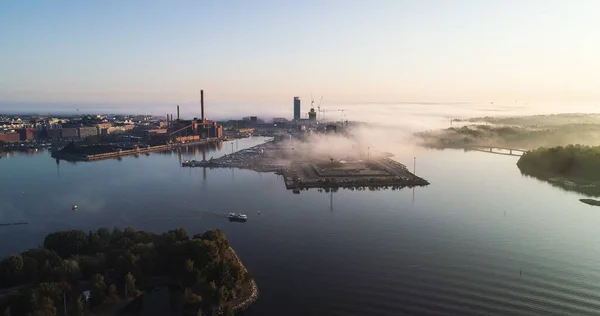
415, 166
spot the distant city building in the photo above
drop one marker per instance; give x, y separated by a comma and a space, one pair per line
280, 120
55, 133
87, 131
9, 137
27, 134
297, 108
70, 133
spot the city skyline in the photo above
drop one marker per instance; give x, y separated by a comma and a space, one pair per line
148, 57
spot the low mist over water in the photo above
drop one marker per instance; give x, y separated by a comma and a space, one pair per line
480, 240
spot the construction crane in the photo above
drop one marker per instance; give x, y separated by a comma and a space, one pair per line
343, 114
319, 106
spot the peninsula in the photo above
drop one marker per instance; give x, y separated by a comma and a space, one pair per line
302, 167
124, 272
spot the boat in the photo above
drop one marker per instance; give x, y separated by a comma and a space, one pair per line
75, 207
237, 217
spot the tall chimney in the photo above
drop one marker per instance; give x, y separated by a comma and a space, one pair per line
178, 112
202, 104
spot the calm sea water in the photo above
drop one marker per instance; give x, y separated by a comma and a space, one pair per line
480, 240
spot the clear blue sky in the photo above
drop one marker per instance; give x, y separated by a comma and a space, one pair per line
163, 52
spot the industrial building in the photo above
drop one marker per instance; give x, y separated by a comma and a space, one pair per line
9, 137
26, 134
195, 129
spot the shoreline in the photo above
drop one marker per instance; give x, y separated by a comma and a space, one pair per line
87, 158
245, 303
252, 159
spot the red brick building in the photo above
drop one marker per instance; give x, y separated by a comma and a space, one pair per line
70, 133
10, 137
27, 134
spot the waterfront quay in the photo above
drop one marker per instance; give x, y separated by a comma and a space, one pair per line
304, 172
375, 173
72, 152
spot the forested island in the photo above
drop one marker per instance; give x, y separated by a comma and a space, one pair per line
572, 167
109, 273
526, 132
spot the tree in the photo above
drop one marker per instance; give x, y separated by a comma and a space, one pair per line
67, 243
78, 308
228, 311
98, 290
11, 270
112, 291
47, 308
129, 285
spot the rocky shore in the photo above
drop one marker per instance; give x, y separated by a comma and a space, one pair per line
244, 302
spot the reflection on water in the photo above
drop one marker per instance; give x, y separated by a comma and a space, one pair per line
480, 240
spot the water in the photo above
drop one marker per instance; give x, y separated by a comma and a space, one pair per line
480, 240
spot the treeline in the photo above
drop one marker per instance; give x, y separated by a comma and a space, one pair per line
113, 264
572, 161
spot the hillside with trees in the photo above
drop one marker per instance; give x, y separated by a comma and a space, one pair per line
115, 266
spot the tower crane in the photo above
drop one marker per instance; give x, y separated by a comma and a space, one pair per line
343, 115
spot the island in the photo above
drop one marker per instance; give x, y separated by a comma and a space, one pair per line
573, 167
525, 132
126, 272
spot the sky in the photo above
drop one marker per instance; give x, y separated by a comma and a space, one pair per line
254, 56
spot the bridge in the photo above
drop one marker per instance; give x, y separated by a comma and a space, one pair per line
518, 152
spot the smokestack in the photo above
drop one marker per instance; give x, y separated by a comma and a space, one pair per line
202, 104
178, 112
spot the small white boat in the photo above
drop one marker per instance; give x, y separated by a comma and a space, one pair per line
74, 207
237, 217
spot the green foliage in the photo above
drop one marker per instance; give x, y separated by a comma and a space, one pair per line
98, 290
46, 308
11, 270
526, 137
130, 288
227, 311
67, 243
204, 265
112, 291
78, 307
573, 161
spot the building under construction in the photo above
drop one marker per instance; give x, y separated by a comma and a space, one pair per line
195, 129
